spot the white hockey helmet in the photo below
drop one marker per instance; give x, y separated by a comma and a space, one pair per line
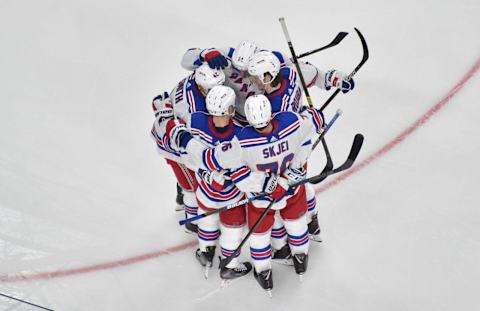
264, 62
221, 101
207, 77
258, 110
242, 54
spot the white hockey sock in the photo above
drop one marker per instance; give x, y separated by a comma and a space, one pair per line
279, 234
208, 230
297, 231
261, 251
191, 205
311, 201
229, 241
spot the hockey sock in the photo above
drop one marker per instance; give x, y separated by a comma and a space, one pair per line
297, 231
229, 241
279, 234
261, 251
311, 201
208, 230
191, 205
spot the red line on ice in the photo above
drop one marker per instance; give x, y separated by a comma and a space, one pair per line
132, 260
409, 130
97, 267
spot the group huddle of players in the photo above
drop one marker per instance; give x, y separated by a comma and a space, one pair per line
236, 127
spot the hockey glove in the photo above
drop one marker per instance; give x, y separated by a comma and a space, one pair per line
214, 58
295, 175
276, 186
336, 79
214, 179
162, 107
177, 133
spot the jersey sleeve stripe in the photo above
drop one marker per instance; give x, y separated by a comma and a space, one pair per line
202, 135
218, 196
253, 142
191, 101
289, 130
240, 174
285, 102
317, 119
209, 161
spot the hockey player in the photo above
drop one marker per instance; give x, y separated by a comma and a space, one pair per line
190, 93
188, 96
279, 145
237, 73
234, 62
216, 190
280, 85
275, 148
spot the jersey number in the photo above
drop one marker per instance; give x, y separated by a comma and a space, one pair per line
272, 167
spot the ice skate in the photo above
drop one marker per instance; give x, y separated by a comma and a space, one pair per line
314, 229
206, 258
243, 268
179, 199
283, 256
265, 280
300, 262
191, 228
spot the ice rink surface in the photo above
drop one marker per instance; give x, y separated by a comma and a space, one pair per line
87, 217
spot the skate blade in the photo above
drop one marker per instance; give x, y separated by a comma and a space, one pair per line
315, 238
269, 293
206, 271
190, 232
225, 283
300, 277
286, 262
208, 266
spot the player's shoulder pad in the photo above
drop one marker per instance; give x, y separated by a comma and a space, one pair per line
198, 119
285, 118
247, 132
288, 72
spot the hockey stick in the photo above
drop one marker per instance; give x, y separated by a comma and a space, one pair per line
244, 201
352, 156
329, 164
295, 60
364, 59
263, 194
334, 42
25, 302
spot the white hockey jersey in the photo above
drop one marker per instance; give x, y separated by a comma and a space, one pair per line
250, 155
187, 98
204, 131
163, 142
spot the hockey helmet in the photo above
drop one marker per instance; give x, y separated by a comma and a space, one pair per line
258, 110
264, 62
207, 77
242, 54
221, 101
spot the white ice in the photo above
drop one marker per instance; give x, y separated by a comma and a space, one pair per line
81, 183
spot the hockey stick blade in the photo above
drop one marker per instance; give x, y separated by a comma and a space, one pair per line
352, 156
334, 42
365, 57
